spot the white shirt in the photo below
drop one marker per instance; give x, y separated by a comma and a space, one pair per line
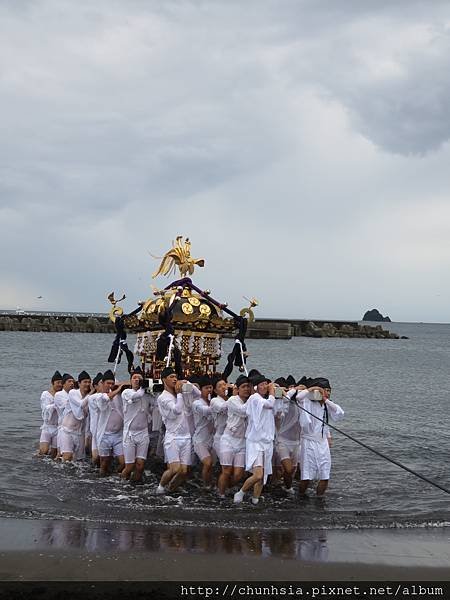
75, 412
61, 399
48, 410
110, 415
93, 413
261, 421
288, 431
219, 410
174, 416
236, 418
312, 428
135, 411
204, 424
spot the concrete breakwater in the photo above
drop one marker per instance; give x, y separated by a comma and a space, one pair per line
259, 329
286, 329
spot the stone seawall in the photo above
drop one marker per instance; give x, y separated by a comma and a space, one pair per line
61, 323
260, 329
284, 330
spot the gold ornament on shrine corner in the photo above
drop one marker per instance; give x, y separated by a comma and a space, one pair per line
179, 256
248, 312
116, 311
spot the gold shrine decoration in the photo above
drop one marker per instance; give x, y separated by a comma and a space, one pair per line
179, 256
116, 311
248, 312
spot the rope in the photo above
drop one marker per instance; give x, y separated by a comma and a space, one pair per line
238, 341
391, 460
119, 353
169, 351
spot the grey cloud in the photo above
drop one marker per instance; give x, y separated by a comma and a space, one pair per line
255, 128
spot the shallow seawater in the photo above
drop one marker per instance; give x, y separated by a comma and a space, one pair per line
391, 391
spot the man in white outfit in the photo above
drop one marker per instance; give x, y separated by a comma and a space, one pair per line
259, 438
219, 411
232, 441
174, 412
73, 422
287, 439
203, 438
136, 408
315, 457
93, 417
49, 430
110, 423
61, 400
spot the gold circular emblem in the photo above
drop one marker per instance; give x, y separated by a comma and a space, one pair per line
187, 308
205, 310
185, 293
194, 301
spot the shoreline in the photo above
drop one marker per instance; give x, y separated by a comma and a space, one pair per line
36, 550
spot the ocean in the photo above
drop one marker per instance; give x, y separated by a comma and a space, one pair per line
394, 393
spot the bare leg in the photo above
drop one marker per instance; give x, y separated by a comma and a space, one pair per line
52, 453
257, 489
224, 479
321, 487
179, 478
139, 469
256, 477
121, 465
43, 448
238, 474
105, 465
126, 472
67, 456
207, 470
169, 473
288, 472
304, 483
95, 458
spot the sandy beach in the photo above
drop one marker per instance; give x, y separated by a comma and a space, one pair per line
32, 550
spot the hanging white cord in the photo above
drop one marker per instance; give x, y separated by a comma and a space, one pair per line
117, 358
242, 355
169, 352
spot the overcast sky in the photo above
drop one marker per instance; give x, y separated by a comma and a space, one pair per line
303, 146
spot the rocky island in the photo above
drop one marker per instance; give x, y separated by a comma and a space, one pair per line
375, 315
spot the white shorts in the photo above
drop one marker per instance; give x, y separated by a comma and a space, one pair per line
49, 435
259, 454
111, 444
315, 460
178, 450
284, 451
135, 446
204, 450
232, 455
259, 460
71, 442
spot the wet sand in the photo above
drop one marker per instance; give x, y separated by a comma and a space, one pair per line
33, 550
38, 566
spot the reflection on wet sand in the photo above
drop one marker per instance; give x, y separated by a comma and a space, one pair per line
304, 545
